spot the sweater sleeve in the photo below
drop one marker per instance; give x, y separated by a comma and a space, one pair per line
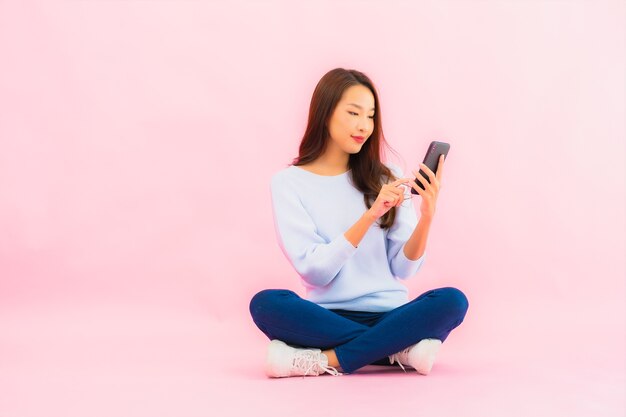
398, 234
317, 260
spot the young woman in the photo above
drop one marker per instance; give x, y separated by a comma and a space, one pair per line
346, 222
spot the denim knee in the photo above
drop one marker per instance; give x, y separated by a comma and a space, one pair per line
264, 299
455, 300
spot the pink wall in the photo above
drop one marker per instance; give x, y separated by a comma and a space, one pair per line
137, 140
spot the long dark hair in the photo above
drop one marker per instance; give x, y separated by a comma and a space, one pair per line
368, 173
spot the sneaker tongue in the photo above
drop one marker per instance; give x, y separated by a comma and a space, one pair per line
323, 360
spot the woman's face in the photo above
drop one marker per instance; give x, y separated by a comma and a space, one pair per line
353, 118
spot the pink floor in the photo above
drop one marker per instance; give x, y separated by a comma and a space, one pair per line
124, 360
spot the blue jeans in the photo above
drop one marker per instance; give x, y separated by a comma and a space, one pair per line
359, 338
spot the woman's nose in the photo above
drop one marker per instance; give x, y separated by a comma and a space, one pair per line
362, 126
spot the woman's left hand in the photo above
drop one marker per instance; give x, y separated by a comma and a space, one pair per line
431, 191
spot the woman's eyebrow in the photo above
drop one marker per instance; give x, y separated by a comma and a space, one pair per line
356, 105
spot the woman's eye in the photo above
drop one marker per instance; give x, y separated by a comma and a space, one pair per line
356, 114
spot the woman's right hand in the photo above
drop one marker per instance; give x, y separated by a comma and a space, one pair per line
390, 195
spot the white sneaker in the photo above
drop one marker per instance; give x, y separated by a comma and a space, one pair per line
284, 360
420, 356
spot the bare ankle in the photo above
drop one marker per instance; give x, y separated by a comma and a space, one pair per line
332, 358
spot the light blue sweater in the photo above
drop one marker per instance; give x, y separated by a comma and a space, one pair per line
311, 214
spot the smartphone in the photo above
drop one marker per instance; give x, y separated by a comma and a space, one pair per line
431, 160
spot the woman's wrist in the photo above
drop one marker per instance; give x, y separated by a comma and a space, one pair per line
427, 217
369, 215
358, 229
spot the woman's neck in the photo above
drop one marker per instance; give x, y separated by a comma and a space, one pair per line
331, 162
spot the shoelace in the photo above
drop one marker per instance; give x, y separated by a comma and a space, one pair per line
306, 361
396, 357
330, 370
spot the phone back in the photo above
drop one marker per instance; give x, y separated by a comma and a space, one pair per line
431, 160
